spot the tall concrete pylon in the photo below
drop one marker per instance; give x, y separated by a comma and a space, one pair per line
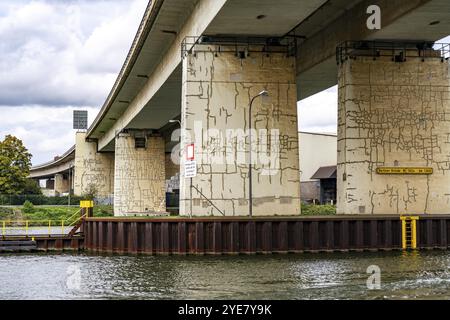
218, 85
139, 177
393, 132
62, 184
94, 171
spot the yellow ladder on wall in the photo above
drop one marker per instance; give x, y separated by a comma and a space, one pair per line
409, 232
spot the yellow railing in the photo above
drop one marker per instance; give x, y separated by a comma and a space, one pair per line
39, 227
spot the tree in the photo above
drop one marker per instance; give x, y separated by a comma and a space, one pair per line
91, 192
28, 207
15, 163
31, 187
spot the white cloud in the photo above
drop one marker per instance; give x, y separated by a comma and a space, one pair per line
318, 113
57, 56
61, 53
45, 131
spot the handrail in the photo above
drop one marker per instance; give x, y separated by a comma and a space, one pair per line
80, 218
26, 225
73, 215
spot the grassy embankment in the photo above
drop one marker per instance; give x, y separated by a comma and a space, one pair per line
31, 212
318, 210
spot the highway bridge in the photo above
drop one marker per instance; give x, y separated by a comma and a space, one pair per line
214, 65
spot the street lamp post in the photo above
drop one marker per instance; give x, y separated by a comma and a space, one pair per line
250, 201
190, 188
175, 121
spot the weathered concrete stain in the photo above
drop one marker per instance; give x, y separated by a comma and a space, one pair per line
139, 179
93, 170
393, 114
62, 184
217, 88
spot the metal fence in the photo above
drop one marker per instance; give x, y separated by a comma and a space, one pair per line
396, 50
29, 228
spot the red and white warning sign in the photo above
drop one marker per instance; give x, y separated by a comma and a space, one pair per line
190, 152
190, 166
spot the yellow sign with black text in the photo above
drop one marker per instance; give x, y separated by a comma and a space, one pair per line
404, 170
86, 204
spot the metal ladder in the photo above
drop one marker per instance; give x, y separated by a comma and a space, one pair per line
409, 232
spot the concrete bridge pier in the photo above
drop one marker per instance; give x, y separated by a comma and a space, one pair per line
62, 184
93, 171
393, 131
139, 174
219, 81
50, 184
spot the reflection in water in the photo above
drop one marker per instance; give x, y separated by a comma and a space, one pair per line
404, 275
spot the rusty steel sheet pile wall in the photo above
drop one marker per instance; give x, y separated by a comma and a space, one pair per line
47, 244
249, 236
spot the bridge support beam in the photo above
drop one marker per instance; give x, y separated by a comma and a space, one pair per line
393, 114
139, 179
94, 171
218, 86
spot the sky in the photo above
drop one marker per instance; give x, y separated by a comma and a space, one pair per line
57, 56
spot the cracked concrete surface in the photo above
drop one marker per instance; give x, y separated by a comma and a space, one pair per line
393, 114
217, 89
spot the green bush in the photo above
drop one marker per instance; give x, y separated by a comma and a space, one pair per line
64, 212
103, 211
51, 213
318, 210
28, 207
6, 213
38, 200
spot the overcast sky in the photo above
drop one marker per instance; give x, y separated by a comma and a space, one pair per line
60, 55
57, 56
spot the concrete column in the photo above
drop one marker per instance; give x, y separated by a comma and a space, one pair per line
61, 184
93, 171
216, 93
50, 184
171, 168
393, 114
139, 179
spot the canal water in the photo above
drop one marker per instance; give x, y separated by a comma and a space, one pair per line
414, 275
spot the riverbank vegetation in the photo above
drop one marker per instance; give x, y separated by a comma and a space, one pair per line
15, 164
39, 199
31, 212
318, 210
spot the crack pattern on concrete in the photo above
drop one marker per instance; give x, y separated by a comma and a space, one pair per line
94, 172
217, 90
139, 181
393, 114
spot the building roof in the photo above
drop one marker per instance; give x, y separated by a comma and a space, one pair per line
325, 173
319, 133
